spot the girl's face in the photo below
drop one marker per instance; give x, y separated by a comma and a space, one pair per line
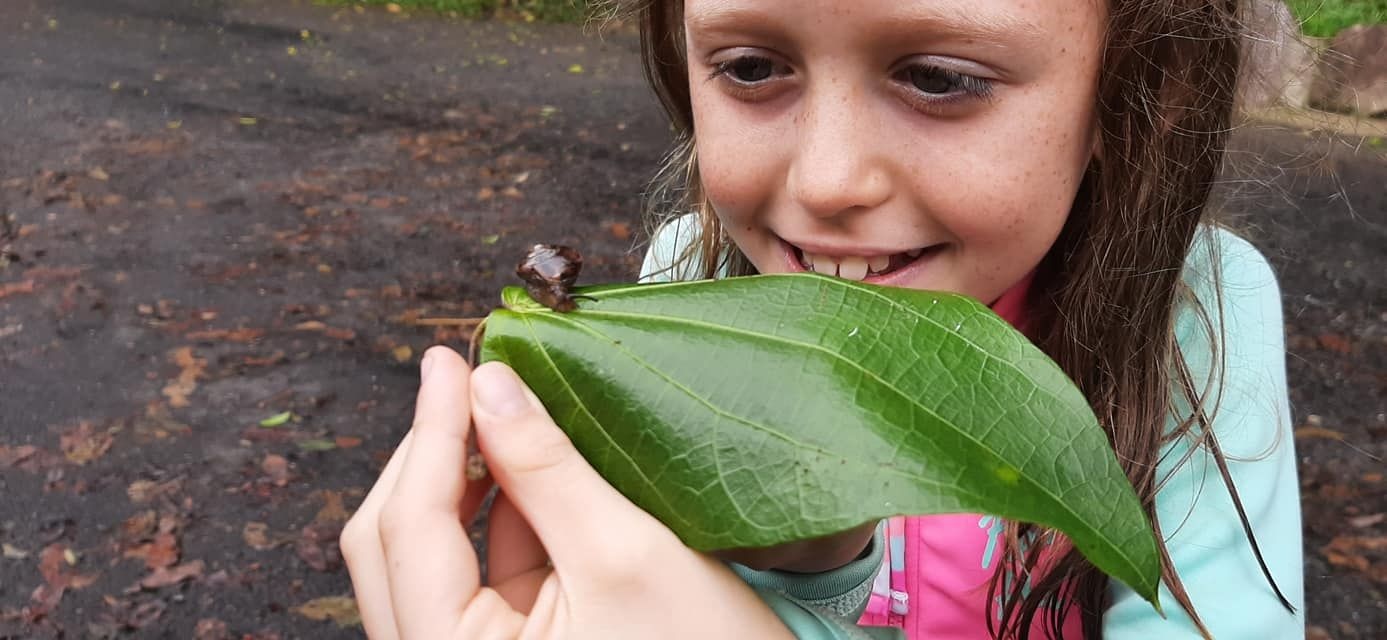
933, 144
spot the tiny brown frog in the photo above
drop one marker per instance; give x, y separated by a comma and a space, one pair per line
549, 272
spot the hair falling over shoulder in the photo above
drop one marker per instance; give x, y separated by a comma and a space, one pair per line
1105, 297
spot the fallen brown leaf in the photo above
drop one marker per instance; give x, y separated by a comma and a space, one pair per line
620, 230
339, 609
277, 468
55, 564
1363, 522
257, 536
332, 511
143, 491
160, 553
346, 442
81, 445
139, 526
10, 457
190, 369
241, 335
14, 288
1318, 432
165, 576
1335, 342
317, 546
211, 629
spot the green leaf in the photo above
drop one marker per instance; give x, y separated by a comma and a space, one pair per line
317, 444
277, 420
749, 412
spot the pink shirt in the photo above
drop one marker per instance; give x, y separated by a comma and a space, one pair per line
934, 578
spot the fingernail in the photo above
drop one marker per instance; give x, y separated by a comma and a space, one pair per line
499, 393
424, 366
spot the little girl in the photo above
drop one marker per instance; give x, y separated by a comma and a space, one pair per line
1055, 160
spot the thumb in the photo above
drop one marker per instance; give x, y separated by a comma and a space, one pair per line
571, 508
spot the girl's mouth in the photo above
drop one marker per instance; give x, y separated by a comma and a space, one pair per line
879, 269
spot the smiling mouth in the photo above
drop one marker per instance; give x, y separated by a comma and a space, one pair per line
861, 267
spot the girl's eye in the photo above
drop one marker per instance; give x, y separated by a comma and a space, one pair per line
748, 70
932, 80
933, 84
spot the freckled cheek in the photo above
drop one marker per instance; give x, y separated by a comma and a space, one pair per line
735, 178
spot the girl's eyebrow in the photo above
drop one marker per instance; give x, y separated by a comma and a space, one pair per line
910, 22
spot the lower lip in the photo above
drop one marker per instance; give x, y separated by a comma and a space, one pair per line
896, 278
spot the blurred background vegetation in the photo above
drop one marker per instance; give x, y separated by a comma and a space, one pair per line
544, 10
1319, 18
1324, 18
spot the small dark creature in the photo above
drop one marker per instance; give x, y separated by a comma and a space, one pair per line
549, 272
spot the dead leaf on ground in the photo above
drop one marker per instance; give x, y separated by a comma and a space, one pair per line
144, 491
277, 468
317, 546
1318, 432
211, 629
257, 536
82, 444
130, 616
12, 552
1347, 551
620, 230
165, 576
14, 288
139, 526
1335, 342
1363, 522
346, 442
16, 456
333, 511
159, 553
402, 353
190, 369
339, 609
56, 565
240, 335
331, 332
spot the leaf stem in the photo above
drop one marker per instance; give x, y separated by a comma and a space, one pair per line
473, 344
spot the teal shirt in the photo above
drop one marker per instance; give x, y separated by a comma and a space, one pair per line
1251, 417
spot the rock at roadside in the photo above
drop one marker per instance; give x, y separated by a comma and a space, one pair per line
1276, 63
1353, 73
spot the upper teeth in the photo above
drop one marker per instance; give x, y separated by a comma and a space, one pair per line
847, 267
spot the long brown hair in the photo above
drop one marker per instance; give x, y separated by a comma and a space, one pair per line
1105, 297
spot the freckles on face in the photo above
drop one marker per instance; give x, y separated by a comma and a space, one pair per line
941, 143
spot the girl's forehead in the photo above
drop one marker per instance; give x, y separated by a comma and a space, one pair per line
1000, 21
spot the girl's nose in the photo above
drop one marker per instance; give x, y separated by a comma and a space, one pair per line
839, 164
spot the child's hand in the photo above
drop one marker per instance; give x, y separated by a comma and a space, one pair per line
806, 556
569, 557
